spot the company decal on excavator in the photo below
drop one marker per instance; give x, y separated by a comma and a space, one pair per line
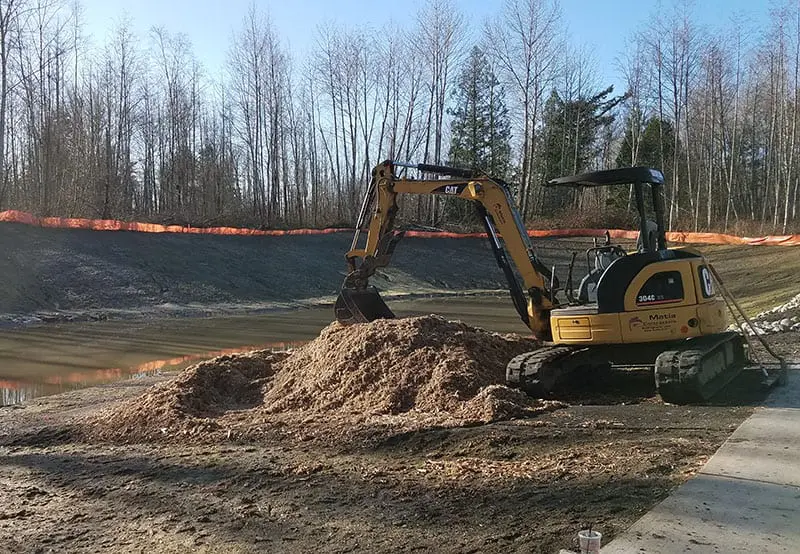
653, 323
451, 189
647, 299
498, 210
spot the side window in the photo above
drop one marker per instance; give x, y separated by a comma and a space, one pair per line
706, 282
662, 288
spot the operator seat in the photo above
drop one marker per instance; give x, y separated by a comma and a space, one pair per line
651, 239
603, 257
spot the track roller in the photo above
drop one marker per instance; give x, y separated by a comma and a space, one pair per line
700, 368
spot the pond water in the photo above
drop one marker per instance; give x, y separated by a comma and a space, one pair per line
49, 359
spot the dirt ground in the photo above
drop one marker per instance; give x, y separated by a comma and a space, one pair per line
523, 486
200, 462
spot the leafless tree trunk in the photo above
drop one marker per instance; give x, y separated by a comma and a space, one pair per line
525, 42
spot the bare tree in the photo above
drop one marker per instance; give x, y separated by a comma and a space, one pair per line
10, 11
525, 42
439, 42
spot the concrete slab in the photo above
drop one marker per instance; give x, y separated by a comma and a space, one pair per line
765, 448
745, 499
711, 514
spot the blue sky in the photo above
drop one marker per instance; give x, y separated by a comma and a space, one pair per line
603, 26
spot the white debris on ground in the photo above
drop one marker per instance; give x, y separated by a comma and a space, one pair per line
779, 319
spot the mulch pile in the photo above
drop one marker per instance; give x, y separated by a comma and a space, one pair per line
388, 375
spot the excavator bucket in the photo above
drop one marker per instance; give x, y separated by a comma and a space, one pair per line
361, 306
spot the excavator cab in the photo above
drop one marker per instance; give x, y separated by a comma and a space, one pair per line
651, 295
651, 235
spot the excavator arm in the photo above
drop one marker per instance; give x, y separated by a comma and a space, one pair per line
359, 302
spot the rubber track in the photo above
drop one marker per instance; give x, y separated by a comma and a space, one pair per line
679, 376
535, 372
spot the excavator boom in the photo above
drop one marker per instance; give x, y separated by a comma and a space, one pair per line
360, 302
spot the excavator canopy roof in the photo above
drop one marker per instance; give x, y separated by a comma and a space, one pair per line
621, 176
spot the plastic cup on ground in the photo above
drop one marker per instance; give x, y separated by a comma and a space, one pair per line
589, 541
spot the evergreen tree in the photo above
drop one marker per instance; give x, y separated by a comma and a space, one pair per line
480, 128
654, 149
569, 139
650, 145
570, 131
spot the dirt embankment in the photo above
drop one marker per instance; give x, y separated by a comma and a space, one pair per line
75, 274
64, 274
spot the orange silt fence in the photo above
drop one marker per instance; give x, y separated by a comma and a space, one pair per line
15, 216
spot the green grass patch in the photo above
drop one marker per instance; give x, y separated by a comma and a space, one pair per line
759, 277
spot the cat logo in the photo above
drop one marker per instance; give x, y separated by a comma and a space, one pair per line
707, 282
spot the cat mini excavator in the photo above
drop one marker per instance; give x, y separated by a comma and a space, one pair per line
655, 307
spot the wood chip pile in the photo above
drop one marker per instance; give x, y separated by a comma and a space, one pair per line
388, 375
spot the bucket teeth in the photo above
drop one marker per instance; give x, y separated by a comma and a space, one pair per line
361, 306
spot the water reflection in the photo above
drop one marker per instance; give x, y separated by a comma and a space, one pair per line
19, 391
12, 392
50, 359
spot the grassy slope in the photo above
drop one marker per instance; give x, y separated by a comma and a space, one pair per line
51, 269
759, 277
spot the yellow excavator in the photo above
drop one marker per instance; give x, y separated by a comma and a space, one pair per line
656, 307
